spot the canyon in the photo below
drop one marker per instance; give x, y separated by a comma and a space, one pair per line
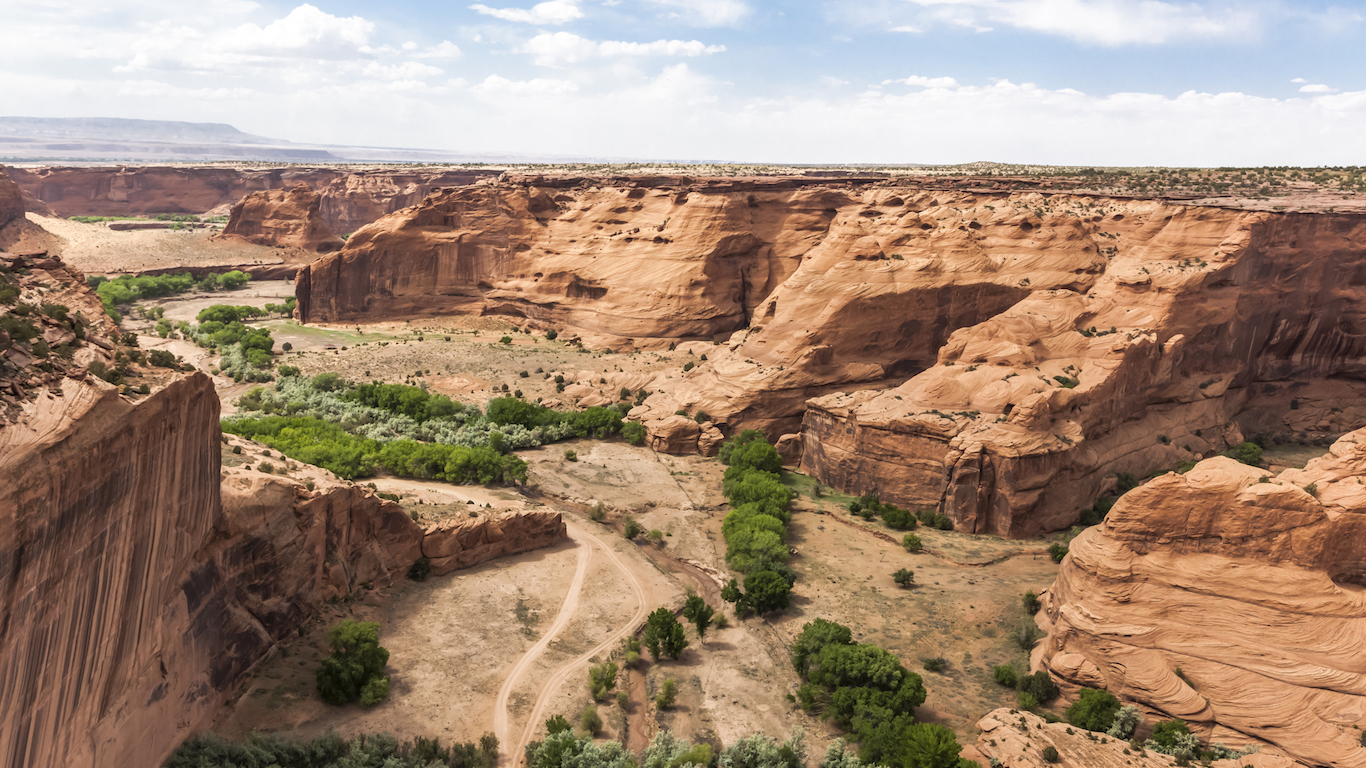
1000, 356
351, 198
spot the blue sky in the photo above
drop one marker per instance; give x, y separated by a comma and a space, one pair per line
1090, 82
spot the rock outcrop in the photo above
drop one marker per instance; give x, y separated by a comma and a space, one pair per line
1017, 739
1197, 320
11, 200
350, 198
454, 543
282, 218
134, 594
1001, 356
1230, 599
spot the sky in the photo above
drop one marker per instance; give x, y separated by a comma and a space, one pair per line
1063, 82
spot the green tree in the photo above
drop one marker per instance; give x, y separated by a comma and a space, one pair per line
634, 432
767, 591
929, 745
664, 635
699, 613
602, 678
557, 724
668, 692
357, 659
761, 751
1094, 710
904, 578
590, 721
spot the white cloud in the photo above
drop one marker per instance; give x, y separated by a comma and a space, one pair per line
925, 82
1299, 80
1317, 88
553, 49
494, 84
706, 13
1100, 22
908, 29
306, 31
551, 12
443, 50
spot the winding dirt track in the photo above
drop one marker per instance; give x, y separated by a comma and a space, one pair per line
587, 545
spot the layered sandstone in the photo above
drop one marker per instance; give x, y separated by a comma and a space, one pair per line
282, 218
1200, 320
455, 543
1018, 739
136, 594
1230, 599
350, 198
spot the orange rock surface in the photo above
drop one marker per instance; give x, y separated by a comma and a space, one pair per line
1230, 599
279, 217
350, 198
455, 543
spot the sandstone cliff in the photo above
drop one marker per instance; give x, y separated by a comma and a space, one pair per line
1229, 599
283, 218
1017, 739
350, 199
1201, 318
454, 544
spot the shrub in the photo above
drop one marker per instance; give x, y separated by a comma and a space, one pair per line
1126, 722
590, 721
702, 417
934, 663
557, 724
1005, 675
602, 678
571, 455
551, 334
375, 691
655, 536
598, 512
508, 340
357, 659
420, 569
668, 692
1057, 550
1248, 453
623, 700
1040, 686
1030, 602
287, 346
631, 529
1026, 701
911, 543
1050, 753
1094, 710
634, 432
904, 578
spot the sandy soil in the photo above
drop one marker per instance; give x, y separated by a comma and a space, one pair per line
97, 249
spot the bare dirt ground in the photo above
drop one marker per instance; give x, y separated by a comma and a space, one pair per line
97, 249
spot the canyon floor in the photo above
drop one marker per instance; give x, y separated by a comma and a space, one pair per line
501, 647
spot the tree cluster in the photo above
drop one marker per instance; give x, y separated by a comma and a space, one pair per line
756, 528
332, 751
865, 690
355, 670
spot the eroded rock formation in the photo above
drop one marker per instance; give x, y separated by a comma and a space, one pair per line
1018, 739
999, 355
350, 198
1230, 599
455, 543
280, 217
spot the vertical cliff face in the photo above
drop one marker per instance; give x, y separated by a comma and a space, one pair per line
350, 199
279, 217
138, 583
1199, 317
1230, 599
620, 263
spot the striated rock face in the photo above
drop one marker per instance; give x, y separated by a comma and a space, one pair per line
1018, 739
454, 544
134, 597
1250, 586
350, 199
623, 263
1197, 319
280, 217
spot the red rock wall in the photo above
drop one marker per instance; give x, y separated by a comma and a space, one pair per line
454, 544
1228, 597
282, 218
350, 199
134, 593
